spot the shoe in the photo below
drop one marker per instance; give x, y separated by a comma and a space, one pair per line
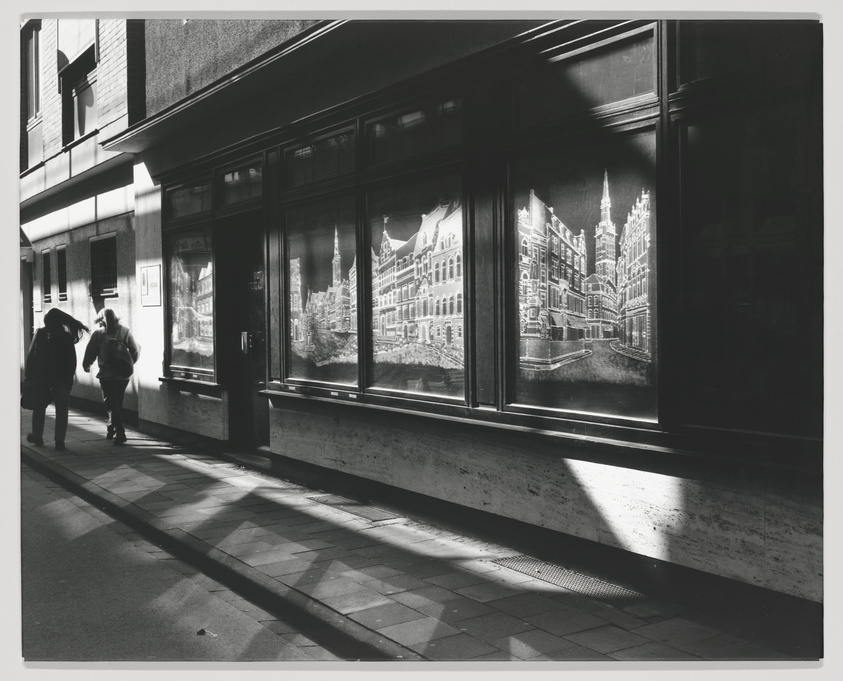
120, 438
109, 434
34, 440
59, 446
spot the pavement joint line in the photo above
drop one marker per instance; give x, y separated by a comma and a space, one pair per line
347, 638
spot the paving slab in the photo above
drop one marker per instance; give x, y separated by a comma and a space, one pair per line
396, 589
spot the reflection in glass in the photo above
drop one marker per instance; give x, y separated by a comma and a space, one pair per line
417, 289
584, 281
242, 184
191, 300
323, 291
430, 128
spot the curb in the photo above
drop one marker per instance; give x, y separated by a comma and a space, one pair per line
340, 634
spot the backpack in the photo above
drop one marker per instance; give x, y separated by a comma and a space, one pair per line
116, 356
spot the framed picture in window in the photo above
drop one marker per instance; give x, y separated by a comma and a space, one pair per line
190, 268
322, 285
418, 304
583, 311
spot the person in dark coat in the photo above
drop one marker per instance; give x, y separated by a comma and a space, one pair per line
51, 362
113, 380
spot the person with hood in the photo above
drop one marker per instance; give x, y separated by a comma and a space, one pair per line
49, 372
115, 351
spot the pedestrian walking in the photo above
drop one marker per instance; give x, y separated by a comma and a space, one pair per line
115, 351
49, 373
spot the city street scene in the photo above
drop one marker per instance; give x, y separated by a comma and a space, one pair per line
227, 563
382, 343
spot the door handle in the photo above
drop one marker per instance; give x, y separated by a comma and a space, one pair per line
245, 342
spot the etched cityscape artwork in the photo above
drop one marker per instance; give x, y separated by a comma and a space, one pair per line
585, 302
191, 294
323, 293
417, 293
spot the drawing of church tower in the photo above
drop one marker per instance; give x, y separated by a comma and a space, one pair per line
605, 236
336, 261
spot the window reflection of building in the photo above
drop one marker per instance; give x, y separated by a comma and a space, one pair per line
633, 279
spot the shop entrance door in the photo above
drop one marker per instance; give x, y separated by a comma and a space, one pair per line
241, 326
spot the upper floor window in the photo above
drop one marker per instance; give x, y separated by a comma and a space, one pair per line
104, 266
46, 277
61, 265
79, 97
32, 70
242, 183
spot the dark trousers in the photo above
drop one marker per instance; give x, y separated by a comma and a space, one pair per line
61, 398
112, 396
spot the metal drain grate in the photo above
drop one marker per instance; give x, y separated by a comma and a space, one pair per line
354, 507
573, 581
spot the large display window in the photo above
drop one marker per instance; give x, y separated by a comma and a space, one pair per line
190, 267
418, 317
322, 285
582, 229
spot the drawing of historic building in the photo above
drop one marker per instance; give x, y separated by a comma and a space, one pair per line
323, 323
601, 286
418, 290
551, 266
633, 272
561, 309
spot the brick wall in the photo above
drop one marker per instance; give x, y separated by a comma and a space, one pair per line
112, 80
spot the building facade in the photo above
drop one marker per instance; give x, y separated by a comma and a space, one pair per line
82, 82
430, 239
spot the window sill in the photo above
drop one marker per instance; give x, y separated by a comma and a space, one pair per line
190, 385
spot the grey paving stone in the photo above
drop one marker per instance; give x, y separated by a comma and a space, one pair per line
564, 621
332, 587
455, 580
417, 631
272, 555
677, 631
493, 626
455, 611
607, 639
531, 643
323, 554
524, 604
425, 596
282, 568
619, 617
460, 647
356, 600
385, 615
488, 591
376, 572
729, 647
240, 550
396, 584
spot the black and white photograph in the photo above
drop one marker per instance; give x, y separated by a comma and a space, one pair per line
426, 341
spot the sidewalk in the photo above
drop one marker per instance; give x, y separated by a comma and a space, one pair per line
364, 582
